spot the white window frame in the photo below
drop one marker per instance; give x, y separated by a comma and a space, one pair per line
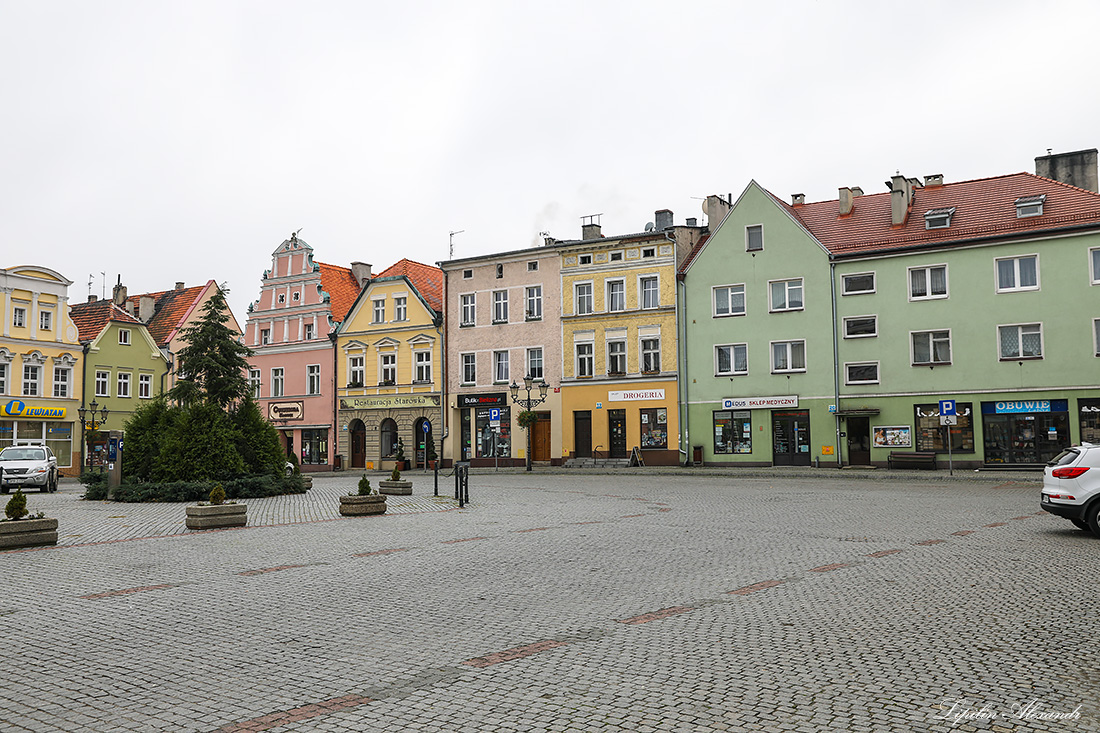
501, 367
648, 252
387, 368
618, 341
588, 298
934, 217
616, 256
1016, 287
1029, 206
307, 331
928, 282
621, 283
400, 308
533, 266
313, 379
748, 237
422, 361
585, 259
535, 362
469, 368
61, 379
467, 274
32, 387
378, 310
4, 377
254, 379
122, 384
733, 349
533, 302
145, 386
357, 369
930, 334
1094, 266
467, 309
728, 300
1020, 340
45, 320
102, 386
124, 337
789, 284
647, 355
500, 306
844, 290
1095, 342
852, 364
844, 327
588, 358
642, 280
19, 317
789, 353
265, 336
278, 382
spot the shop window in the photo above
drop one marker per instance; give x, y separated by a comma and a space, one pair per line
654, 424
388, 434
1089, 410
493, 442
314, 447
1024, 432
932, 437
732, 431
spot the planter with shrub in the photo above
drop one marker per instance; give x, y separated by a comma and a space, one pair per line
217, 513
395, 485
368, 501
21, 530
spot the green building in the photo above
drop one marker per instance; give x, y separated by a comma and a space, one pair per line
830, 332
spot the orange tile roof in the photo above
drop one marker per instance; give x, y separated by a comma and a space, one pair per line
342, 288
427, 280
92, 318
170, 309
693, 254
984, 208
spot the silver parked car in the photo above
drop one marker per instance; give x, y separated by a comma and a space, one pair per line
28, 465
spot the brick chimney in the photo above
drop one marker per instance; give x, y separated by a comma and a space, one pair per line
662, 219
797, 199
901, 196
118, 294
361, 272
933, 180
92, 298
845, 200
716, 208
1077, 168
145, 308
590, 227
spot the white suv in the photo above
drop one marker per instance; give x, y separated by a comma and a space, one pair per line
1071, 486
28, 465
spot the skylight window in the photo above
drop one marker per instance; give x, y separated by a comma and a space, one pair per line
1027, 206
938, 218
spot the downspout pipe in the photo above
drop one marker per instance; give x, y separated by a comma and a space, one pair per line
836, 362
683, 439
335, 442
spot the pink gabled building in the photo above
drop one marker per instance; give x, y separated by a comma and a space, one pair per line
292, 371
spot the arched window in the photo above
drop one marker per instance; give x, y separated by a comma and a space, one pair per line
389, 437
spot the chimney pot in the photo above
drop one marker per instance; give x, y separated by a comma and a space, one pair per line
118, 293
590, 231
692, 222
179, 285
92, 298
856, 191
844, 200
933, 180
663, 219
716, 208
361, 272
797, 199
145, 308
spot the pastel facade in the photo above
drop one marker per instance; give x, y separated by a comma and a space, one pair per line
981, 292
123, 367
292, 370
389, 356
619, 342
503, 323
40, 362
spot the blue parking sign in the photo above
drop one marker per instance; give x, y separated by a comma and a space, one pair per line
947, 407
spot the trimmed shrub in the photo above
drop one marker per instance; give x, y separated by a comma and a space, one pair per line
364, 486
17, 505
396, 475
95, 483
258, 440
217, 495
244, 487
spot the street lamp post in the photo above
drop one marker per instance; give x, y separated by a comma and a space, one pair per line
528, 403
89, 419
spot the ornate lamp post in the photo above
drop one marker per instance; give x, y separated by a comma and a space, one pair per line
89, 420
529, 403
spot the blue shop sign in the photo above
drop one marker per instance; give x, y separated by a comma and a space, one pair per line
1010, 407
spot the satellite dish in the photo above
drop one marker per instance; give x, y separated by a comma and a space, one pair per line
650, 226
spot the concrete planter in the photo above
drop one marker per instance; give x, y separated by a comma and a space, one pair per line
361, 506
213, 516
395, 488
28, 533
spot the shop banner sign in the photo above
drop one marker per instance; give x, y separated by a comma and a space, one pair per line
1024, 406
480, 400
15, 408
389, 402
751, 403
631, 395
285, 411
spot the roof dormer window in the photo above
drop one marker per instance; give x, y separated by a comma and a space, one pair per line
938, 218
1027, 206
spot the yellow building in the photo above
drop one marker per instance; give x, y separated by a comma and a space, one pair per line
619, 383
40, 363
389, 368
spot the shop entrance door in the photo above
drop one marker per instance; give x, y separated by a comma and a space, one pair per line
791, 438
358, 444
859, 441
540, 439
616, 429
582, 434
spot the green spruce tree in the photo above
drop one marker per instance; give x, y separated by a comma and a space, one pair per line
212, 367
257, 439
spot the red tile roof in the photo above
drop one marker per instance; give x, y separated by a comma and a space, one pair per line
693, 254
984, 208
427, 280
342, 288
92, 318
170, 310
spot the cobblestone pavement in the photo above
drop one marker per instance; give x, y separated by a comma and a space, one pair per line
560, 601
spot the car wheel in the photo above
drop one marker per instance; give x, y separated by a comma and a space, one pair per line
1092, 515
1080, 524
4, 490
53, 485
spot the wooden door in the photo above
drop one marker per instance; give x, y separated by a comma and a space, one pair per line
540, 440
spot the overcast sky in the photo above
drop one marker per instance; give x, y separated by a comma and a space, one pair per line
166, 141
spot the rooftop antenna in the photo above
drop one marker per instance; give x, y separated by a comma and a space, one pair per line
91, 281
103, 285
451, 251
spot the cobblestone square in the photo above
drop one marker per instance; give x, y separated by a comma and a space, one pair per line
657, 600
